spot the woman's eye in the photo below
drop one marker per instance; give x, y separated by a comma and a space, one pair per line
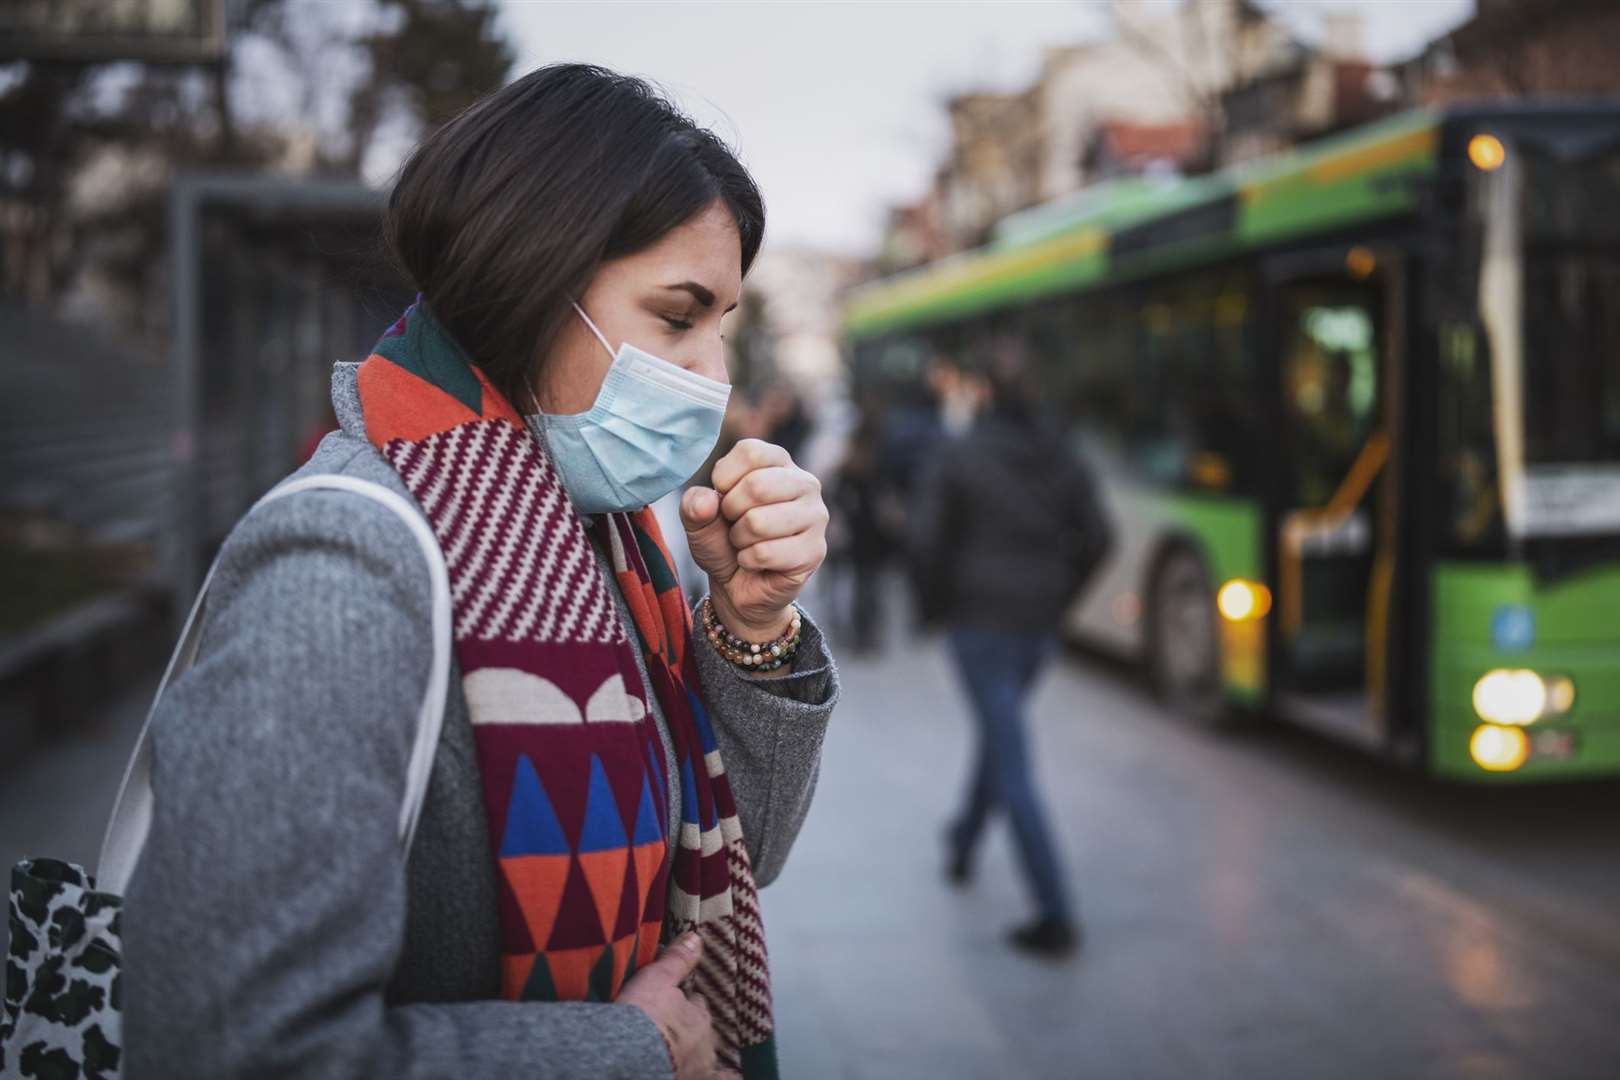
678, 324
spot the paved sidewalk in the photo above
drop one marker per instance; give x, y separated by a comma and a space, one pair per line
1257, 906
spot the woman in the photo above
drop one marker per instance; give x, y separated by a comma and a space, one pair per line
1007, 531
608, 782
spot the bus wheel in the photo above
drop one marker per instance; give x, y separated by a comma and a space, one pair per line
1184, 652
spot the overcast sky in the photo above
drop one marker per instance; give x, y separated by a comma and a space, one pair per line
837, 107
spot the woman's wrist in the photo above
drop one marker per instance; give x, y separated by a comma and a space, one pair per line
768, 628
766, 656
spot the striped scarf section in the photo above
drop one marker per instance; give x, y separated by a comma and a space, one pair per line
572, 766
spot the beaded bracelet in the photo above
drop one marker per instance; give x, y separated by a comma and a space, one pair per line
748, 655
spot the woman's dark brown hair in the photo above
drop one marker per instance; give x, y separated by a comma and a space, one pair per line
502, 215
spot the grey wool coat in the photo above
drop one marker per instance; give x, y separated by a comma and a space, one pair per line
274, 926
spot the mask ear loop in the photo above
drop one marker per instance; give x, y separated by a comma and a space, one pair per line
594, 330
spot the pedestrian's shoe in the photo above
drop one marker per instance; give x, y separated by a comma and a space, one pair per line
1048, 937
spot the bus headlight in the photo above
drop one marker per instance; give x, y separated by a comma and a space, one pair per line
1499, 749
1239, 600
1508, 696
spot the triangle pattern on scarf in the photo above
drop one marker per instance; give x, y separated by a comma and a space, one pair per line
540, 987
537, 881
578, 923
515, 936
605, 872
602, 977
649, 821
571, 971
532, 827
515, 974
629, 913
603, 828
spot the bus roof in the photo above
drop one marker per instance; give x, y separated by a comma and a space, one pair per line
1136, 226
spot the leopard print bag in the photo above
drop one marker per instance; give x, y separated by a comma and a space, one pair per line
62, 981
62, 1018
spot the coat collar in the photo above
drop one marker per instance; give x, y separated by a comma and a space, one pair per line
346, 399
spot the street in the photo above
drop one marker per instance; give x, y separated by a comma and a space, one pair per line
1257, 905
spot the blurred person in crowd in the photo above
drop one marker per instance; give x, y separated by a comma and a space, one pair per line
869, 522
1007, 529
557, 915
783, 415
960, 395
913, 428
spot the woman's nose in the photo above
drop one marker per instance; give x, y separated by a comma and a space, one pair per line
710, 361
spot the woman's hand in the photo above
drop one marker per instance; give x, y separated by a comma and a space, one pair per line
759, 533
683, 1021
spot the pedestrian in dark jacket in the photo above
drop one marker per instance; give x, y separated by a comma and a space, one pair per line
862, 498
1007, 530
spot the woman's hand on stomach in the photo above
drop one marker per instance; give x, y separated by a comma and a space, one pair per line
682, 1018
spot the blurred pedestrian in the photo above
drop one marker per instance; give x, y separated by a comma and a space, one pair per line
575, 242
1007, 529
868, 528
914, 426
782, 412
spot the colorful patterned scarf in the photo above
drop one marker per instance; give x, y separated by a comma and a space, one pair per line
571, 761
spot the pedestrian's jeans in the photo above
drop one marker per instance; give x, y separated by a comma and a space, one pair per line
998, 667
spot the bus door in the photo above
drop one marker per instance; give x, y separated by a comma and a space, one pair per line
1333, 554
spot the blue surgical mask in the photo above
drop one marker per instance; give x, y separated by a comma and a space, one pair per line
652, 426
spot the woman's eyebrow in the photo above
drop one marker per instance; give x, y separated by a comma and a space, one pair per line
699, 293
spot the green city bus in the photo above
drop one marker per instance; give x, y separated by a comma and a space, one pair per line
1356, 413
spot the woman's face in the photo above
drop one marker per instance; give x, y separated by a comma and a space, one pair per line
668, 300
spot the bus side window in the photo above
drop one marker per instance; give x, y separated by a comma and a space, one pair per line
1195, 409
1096, 388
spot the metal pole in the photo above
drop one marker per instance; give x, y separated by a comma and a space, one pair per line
186, 200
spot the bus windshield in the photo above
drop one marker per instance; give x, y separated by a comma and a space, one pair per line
1547, 256
1571, 331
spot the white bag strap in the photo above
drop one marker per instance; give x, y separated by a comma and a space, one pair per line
132, 814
